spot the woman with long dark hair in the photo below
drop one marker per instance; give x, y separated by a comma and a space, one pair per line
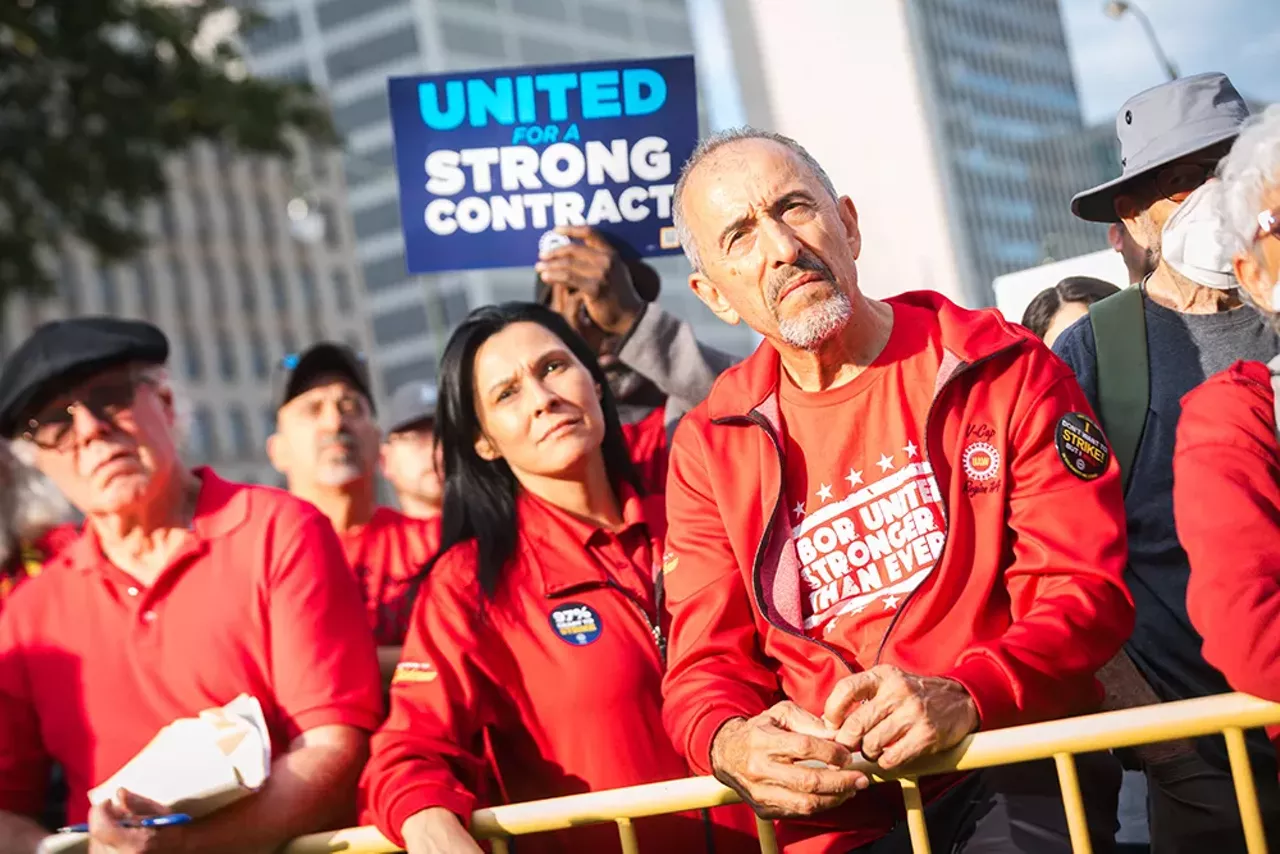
534, 659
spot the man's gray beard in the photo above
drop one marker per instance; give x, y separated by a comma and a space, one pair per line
338, 474
815, 324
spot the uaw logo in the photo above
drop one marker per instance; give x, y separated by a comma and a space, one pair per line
981, 461
551, 241
576, 624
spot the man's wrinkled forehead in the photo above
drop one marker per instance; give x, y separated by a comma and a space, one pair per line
745, 174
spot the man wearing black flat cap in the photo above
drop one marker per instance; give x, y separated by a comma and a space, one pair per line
656, 367
180, 593
412, 461
1135, 355
326, 445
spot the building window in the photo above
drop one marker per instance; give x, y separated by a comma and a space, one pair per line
381, 50
181, 287
397, 375
110, 290
308, 280
215, 283
204, 440
168, 221
377, 220
258, 355
334, 13
279, 289
241, 441
400, 324
204, 219
472, 39
289, 340
387, 273
193, 361
69, 283
273, 33
146, 288
226, 357
248, 292
455, 307
267, 217
342, 292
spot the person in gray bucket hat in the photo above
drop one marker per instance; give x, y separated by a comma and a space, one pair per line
1136, 354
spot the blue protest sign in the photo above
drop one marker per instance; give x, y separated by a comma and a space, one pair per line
490, 161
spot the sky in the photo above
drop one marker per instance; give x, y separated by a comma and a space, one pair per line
1114, 60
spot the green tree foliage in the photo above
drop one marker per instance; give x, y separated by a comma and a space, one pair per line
95, 95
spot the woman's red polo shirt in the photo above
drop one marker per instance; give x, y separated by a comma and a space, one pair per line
260, 602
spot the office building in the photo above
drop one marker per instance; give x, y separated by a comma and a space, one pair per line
349, 48
231, 287
936, 116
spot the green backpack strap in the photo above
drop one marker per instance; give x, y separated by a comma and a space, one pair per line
1124, 380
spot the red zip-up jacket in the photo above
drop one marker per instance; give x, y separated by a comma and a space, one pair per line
1226, 502
1024, 606
552, 688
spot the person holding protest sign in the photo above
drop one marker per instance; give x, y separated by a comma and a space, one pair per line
535, 653
657, 369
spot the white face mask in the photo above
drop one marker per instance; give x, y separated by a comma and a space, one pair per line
1193, 240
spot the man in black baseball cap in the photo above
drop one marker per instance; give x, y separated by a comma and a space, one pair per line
1136, 354
326, 445
152, 592
411, 457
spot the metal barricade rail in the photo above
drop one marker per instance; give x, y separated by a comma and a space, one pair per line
1060, 740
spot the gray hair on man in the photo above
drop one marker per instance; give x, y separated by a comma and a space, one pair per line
1252, 167
30, 505
708, 146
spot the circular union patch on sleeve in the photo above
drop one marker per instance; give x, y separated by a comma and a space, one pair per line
1081, 446
576, 624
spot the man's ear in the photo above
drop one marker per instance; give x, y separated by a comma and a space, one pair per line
1115, 236
278, 453
1130, 210
849, 219
1249, 274
711, 297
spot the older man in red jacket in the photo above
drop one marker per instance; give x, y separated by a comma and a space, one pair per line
896, 523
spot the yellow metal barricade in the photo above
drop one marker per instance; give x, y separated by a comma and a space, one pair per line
1229, 714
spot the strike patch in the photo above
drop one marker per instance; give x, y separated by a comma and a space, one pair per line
414, 671
576, 624
981, 461
1081, 446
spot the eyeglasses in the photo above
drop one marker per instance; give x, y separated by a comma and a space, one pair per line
1268, 225
106, 401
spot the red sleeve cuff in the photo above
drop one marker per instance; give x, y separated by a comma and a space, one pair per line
367, 718
703, 732
991, 689
413, 799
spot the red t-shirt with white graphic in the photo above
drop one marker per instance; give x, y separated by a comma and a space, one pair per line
865, 513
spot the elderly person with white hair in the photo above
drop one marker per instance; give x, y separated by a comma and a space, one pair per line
35, 522
1227, 463
182, 592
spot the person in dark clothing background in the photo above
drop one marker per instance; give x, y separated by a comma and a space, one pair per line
656, 368
1172, 137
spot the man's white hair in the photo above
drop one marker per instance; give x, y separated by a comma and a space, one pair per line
1247, 172
708, 146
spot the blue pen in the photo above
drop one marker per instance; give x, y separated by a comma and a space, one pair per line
154, 821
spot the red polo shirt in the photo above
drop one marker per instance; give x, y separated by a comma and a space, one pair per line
93, 664
387, 554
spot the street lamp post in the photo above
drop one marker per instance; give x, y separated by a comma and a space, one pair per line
1116, 9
